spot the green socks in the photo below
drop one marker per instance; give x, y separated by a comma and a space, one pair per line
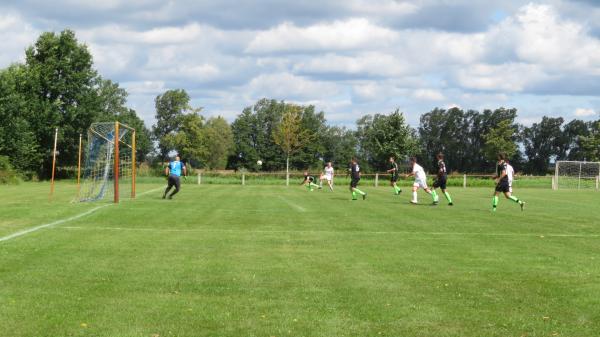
495, 201
515, 199
353, 195
397, 189
434, 195
359, 191
447, 195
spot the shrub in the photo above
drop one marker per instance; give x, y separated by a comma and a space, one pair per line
7, 173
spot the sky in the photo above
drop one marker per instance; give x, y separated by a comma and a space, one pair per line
347, 57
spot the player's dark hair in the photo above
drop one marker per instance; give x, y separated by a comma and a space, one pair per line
413, 159
501, 156
440, 155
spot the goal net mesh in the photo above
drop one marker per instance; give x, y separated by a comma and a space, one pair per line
577, 175
98, 170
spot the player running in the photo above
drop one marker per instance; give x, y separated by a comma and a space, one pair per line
355, 178
309, 181
173, 172
328, 176
442, 178
420, 181
394, 175
502, 183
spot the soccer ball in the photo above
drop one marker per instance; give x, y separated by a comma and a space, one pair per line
259, 162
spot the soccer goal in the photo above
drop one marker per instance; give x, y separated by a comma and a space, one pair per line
576, 175
109, 165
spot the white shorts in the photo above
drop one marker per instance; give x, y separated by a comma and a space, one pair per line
326, 177
420, 183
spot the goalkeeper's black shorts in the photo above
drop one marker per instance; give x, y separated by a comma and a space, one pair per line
174, 181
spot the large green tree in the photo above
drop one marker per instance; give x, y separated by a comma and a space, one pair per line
253, 137
501, 139
219, 143
60, 93
171, 108
17, 137
590, 144
57, 87
381, 136
341, 144
543, 142
189, 140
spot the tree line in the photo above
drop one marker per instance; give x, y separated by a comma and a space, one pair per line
58, 87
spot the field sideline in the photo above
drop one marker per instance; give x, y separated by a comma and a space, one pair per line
223, 260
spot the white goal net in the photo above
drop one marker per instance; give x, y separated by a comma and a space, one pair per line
109, 158
576, 175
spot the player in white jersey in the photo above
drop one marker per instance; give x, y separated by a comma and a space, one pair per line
420, 182
327, 175
510, 172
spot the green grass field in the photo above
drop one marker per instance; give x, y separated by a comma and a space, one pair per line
223, 260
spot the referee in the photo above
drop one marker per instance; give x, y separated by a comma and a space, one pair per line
173, 172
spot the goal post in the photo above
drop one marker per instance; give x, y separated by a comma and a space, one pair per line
576, 175
109, 166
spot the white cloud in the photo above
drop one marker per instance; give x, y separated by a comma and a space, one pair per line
349, 58
361, 64
510, 77
16, 34
428, 95
287, 86
583, 112
339, 35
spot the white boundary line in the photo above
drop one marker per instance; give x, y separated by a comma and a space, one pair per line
61, 221
57, 222
160, 230
292, 205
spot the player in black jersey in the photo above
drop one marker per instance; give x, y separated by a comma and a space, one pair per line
442, 178
355, 178
394, 175
309, 181
502, 184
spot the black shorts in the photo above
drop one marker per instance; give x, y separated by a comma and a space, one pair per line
394, 178
440, 182
354, 182
503, 187
174, 181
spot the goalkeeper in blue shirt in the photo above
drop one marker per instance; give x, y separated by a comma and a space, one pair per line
173, 172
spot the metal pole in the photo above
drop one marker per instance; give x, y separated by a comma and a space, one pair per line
199, 178
243, 179
79, 168
133, 165
376, 179
53, 162
465, 180
556, 165
579, 180
116, 164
